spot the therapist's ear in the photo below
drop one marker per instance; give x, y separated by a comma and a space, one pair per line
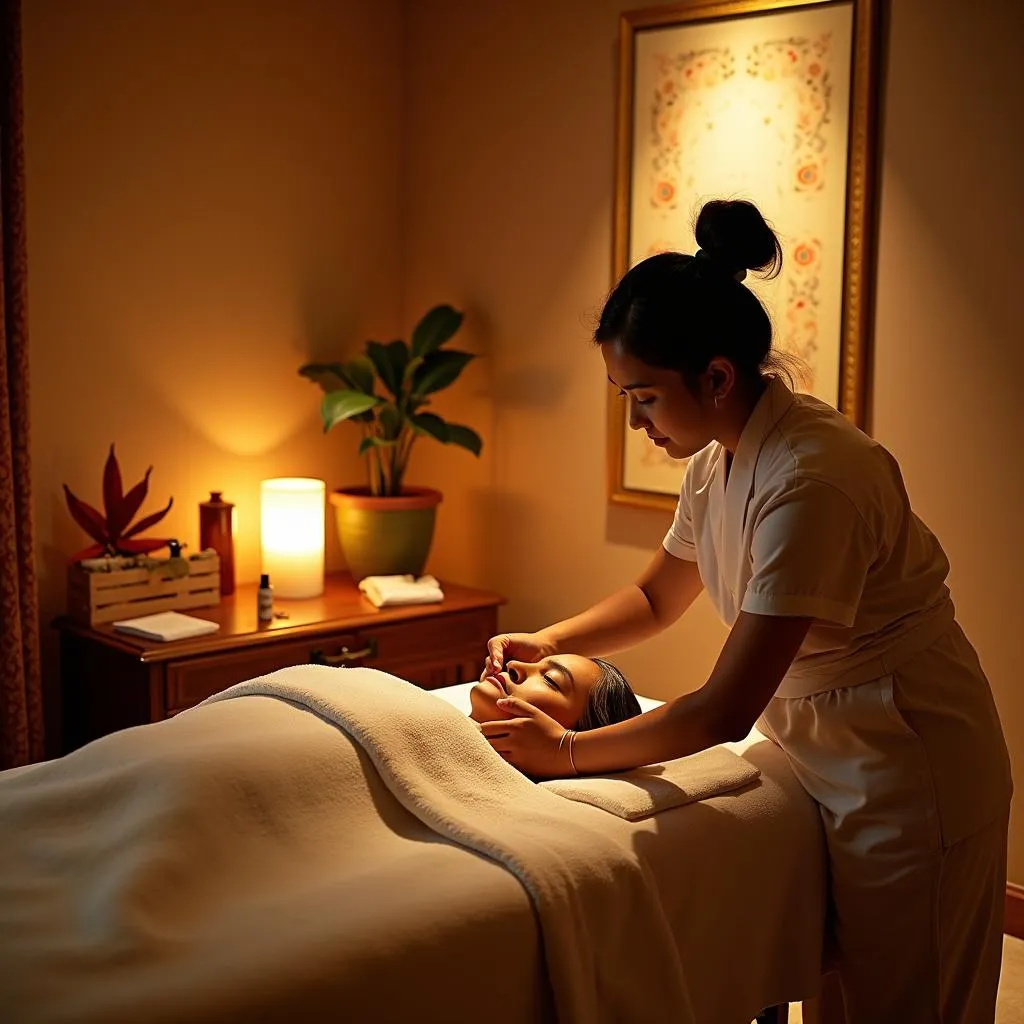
720, 377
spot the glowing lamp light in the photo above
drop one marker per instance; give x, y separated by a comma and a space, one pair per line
292, 535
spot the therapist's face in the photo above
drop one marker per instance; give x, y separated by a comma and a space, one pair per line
659, 403
560, 687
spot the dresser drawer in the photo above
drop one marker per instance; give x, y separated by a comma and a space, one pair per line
435, 651
189, 682
438, 636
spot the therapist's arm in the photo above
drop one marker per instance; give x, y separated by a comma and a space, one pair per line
631, 615
756, 656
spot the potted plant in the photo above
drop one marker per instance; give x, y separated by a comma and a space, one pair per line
387, 527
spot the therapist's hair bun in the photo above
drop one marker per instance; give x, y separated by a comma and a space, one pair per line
678, 312
734, 235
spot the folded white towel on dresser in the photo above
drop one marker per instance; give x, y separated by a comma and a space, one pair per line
382, 591
166, 626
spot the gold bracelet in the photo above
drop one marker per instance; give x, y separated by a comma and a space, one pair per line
572, 763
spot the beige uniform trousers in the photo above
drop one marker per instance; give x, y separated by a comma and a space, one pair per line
912, 777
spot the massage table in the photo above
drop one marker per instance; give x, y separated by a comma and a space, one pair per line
221, 866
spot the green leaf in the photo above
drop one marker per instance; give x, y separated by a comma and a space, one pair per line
439, 370
360, 372
391, 420
374, 442
464, 437
411, 367
330, 376
389, 361
435, 329
344, 405
400, 355
430, 425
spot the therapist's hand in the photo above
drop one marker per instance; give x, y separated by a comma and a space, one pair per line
506, 647
528, 739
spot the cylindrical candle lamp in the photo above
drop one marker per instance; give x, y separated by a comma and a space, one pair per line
292, 535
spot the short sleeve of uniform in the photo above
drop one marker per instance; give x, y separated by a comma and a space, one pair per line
811, 551
679, 539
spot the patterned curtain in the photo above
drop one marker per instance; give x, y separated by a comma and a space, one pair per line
21, 702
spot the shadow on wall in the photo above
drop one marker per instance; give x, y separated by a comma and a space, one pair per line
329, 327
501, 557
636, 527
530, 387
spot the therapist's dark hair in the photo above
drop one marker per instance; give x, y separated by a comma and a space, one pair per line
679, 312
611, 700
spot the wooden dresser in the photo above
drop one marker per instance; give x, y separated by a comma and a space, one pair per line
110, 681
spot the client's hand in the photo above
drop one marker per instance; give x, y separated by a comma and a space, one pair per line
529, 740
528, 647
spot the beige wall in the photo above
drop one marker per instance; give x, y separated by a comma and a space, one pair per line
212, 198
510, 119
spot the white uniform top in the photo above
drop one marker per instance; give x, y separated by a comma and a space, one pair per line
814, 521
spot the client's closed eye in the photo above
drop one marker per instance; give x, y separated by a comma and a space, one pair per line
550, 680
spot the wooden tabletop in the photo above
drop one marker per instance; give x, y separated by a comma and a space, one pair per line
341, 606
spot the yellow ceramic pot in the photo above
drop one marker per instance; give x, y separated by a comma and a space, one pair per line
385, 536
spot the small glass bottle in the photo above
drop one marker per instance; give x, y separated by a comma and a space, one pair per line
265, 600
215, 520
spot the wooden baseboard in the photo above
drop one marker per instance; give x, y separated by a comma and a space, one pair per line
1014, 923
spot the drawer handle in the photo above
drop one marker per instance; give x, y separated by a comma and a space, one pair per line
346, 656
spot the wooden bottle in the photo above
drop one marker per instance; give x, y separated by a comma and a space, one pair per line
215, 518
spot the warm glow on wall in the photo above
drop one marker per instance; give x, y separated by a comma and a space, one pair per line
292, 535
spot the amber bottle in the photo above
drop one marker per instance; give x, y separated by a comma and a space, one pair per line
215, 519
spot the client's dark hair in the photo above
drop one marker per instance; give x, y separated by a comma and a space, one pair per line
611, 700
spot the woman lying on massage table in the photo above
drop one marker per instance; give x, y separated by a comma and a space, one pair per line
579, 693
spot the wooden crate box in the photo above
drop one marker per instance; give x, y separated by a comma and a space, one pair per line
99, 596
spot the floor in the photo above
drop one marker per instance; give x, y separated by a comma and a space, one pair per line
1010, 1007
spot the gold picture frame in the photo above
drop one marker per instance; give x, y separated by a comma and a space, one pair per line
843, 109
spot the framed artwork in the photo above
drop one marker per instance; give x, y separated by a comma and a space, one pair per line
772, 101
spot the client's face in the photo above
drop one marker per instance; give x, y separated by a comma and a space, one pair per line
560, 687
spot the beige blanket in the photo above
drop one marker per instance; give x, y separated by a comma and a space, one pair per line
604, 933
247, 861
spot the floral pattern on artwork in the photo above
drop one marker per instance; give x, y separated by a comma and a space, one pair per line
802, 63
680, 76
800, 334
